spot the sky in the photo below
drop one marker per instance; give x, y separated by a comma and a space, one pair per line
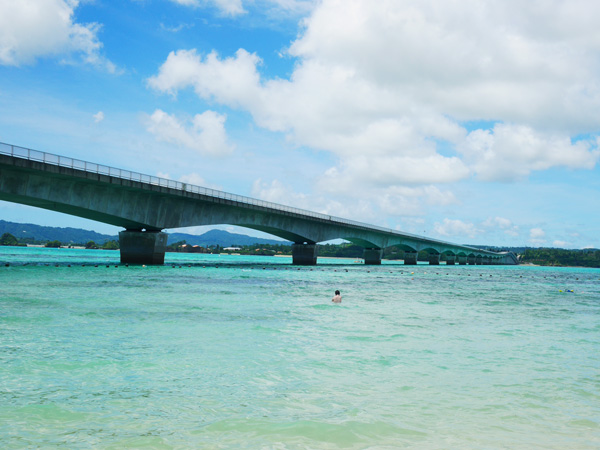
470, 121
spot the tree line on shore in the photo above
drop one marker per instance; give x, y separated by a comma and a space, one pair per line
538, 256
561, 257
9, 239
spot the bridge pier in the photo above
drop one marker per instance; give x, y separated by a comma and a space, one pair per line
450, 260
304, 254
434, 259
372, 256
462, 260
410, 258
471, 260
143, 247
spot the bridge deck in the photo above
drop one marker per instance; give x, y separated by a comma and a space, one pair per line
68, 167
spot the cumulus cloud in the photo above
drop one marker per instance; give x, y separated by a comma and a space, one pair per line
392, 89
380, 84
408, 200
232, 81
458, 228
205, 134
278, 192
46, 28
227, 7
198, 180
293, 6
192, 178
363, 205
510, 152
385, 151
176, 29
503, 224
98, 117
236, 7
501, 60
394, 170
537, 236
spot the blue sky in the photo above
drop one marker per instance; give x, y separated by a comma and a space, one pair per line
472, 122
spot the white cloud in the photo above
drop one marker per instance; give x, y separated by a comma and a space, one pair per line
193, 179
503, 224
392, 88
561, 244
45, 28
236, 7
537, 236
277, 192
363, 205
388, 150
537, 233
293, 6
206, 133
176, 29
397, 170
458, 228
510, 152
197, 180
232, 81
502, 60
98, 117
379, 84
406, 201
227, 7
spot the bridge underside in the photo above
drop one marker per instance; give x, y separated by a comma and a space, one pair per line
144, 210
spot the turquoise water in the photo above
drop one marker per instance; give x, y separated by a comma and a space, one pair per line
228, 352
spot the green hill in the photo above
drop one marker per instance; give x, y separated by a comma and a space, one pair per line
222, 239
31, 233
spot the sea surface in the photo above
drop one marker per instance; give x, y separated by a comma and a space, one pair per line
239, 352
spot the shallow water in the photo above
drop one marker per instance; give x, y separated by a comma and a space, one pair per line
222, 352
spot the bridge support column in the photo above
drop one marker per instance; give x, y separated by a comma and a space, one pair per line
143, 247
372, 256
304, 254
462, 260
471, 260
450, 260
410, 258
434, 259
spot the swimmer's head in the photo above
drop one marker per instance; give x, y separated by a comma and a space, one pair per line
337, 292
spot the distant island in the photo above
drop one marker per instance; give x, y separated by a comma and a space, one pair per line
220, 241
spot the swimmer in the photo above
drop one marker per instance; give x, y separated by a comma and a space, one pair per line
337, 298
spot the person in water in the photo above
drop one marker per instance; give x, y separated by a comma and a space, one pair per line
337, 298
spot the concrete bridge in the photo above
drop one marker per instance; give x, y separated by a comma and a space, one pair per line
145, 205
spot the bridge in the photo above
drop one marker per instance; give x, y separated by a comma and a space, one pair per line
145, 205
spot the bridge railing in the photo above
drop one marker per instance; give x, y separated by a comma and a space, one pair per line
63, 161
